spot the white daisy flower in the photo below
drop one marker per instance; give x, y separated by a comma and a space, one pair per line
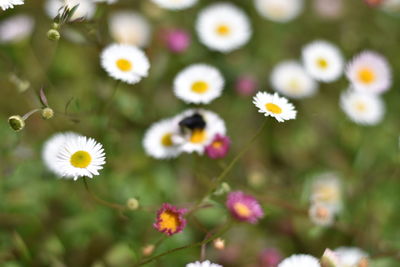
5, 4
52, 147
369, 72
125, 62
275, 106
323, 61
223, 27
322, 214
199, 84
80, 156
86, 8
362, 108
129, 27
203, 264
198, 129
158, 140
16, 28
351, 256
300, 260
175, 4
326, 188
279, 10
290, 79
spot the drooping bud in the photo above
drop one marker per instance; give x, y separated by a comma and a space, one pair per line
16, 122
53, 35
219, 244
132, 204
47, 113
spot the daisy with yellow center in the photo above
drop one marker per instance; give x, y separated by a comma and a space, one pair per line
275, 106
244, 207
323, 61
361, 107
125, 62
226, 32
290, 79
79, 156
369, 72
158, 140
170, 219
199, 84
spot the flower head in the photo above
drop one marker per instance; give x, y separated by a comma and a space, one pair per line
203, 264
322, 214
244, 207
199, 84
326, 188
219, 147
223, 27
351, 256
5, 4
129, 27
275, 106
85, 9
279, 10
125, 62
323, 61
170, 219
16, 28
290, 79
177, 40
369, 72
175, 5
362, 107
300, 260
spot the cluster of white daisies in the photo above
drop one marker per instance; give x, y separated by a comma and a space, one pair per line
325, 199
340, 257
70, 155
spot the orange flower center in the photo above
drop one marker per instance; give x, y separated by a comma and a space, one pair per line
198, 136
242, 209
169, 221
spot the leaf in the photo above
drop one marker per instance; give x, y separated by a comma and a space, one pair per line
43, 98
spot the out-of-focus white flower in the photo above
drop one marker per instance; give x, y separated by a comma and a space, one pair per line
328, 9
199, 84
106, 1
362, 108
300, 260
223, 27
323, 61
326, 188
16, 28
279, 10
203, 264
275, 106
129, 27
369, 72
86, 8
125, 62
322, 214
290, 79
351, 256
175, 4
6, 4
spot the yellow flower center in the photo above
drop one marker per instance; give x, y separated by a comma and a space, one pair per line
124, 64
327, 193
242, 209
200, 87
223, 30
271, 107
360, 106
80, 159
322, 63
366, 75
169, 221
294, 85
198, 136
166, 140
217, 144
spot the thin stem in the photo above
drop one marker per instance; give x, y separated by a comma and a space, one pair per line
223, 174
118, 207
27, 115
107, 105
205, 241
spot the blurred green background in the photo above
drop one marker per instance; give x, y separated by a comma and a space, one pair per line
45, 221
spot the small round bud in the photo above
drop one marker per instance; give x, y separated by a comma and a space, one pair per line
47, 113
53, 35
219, 244
148, 250
16, 122
132, 204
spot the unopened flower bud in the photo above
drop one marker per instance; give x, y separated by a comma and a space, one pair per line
329, 259
219, 244
132, 204
53, 35
55, 25
16, 122
222, 189
148, 250
47, 113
